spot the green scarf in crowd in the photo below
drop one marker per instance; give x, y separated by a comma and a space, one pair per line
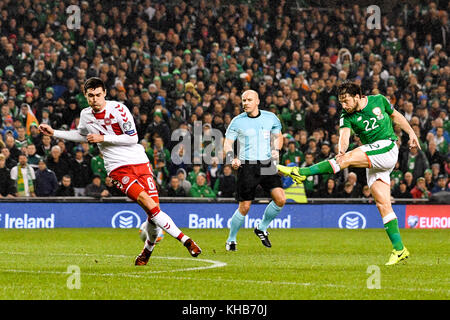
21, 182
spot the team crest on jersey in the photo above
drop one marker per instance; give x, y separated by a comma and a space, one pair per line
127, 126
377, 112
107, 121
125, 180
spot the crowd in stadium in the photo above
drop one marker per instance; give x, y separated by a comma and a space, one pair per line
175, 64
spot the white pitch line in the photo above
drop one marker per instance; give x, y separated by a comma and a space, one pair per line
240, 281
214, 264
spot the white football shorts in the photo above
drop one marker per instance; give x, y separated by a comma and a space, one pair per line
382, 156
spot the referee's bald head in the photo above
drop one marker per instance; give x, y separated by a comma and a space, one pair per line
250, 102
251, 92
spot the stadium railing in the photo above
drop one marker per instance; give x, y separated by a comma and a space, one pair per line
203, 200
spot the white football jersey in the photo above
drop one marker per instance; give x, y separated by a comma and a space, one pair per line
116, 123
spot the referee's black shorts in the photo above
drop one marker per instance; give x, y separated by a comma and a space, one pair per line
251, 174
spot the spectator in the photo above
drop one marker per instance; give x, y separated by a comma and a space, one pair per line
349, 191
401, 191
329, 190
185, 184
57, 164
433, 155
420, 190
98, 166
428, 175
159, 126
192, 176
441, 185
65, 188
447, 166
9, 162
200, 189
44, 148
161, 174
46, 181
179, 160
22, 139
396, 175
366, 194
314, 118
436, 171
175, 189
158, 152
225, 185
415, 162
82, 172
7, 188
33, 157
8, 127
112, 189
312, 182
353, 179
96, 189
293, 155
213, 171
11, 145
24, 177
409, 181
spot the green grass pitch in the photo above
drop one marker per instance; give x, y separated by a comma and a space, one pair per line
302, 264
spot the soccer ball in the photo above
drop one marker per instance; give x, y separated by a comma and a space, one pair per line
143, 234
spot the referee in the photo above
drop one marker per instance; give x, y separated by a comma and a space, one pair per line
253, 130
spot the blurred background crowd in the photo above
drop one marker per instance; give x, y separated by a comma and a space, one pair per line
174, 63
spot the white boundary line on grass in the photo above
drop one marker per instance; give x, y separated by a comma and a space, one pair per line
214, 264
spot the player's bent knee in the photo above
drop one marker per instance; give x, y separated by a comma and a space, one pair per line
280, 201
244, 208
384, 207
354, 158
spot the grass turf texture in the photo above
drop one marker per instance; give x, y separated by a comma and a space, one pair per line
302, 264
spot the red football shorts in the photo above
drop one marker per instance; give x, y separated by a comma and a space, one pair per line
134, 179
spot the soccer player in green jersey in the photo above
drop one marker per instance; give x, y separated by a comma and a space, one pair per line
371, 118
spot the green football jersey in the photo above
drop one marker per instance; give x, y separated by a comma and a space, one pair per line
371, 123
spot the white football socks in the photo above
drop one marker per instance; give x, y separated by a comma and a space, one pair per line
152, 231
162, 220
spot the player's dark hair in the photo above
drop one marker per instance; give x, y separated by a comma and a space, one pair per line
94, 83
349, 87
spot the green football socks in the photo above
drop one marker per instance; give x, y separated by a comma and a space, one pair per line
392, 230
318, 168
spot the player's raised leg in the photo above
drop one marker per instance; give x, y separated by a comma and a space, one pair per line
271, 212
355, 158
382, 195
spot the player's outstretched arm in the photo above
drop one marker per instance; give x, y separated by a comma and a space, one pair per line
45, 129
72, 135
344, 140
399, 119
